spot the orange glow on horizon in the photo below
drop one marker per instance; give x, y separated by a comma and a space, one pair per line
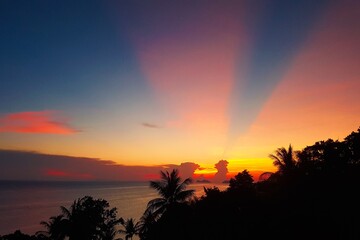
205, 171
210, 175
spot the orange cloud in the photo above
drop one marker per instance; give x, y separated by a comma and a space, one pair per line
34, 122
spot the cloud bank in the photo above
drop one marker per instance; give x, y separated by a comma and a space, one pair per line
22, 165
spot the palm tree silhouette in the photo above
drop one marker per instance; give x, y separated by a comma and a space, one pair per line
171, 191
145, 224
55, 228
130, 228
284, 160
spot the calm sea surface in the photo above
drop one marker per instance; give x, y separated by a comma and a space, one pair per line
24, 204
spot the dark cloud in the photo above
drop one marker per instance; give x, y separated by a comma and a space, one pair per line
186, 169
23, 165
150, 125
222, 171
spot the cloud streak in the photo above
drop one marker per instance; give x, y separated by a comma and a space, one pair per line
44, 122
150, 125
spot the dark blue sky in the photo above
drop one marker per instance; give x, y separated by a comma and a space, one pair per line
59, 53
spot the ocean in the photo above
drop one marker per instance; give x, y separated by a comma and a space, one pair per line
24, 204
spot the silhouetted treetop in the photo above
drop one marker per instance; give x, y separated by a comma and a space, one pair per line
284, 160
171, 190
87, 218
243, 180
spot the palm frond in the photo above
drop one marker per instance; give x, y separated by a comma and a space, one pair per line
182, 196
42, 232
159, 212
183, 185
284, 159
159, 187
156, 201
45, 224
65, 211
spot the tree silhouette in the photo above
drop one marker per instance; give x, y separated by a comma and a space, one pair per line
56, 228
242, 181
146, 223
90, 218
211, 191
284, 160
130, 228
18, 235
353, 145
171, 191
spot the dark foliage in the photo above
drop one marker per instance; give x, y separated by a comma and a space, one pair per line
130, 228
168, 212
87, 218
241, 182
18, 235
171, 190
313, 195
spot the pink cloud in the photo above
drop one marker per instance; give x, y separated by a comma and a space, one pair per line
34, 122
56, 173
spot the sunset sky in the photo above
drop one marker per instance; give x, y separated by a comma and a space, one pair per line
154, 84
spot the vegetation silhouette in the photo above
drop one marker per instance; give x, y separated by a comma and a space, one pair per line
284, 160
146, 224
242, 181
165, 214
312, 195
56, 228
18, 235
171, 190
87, 218
130, 228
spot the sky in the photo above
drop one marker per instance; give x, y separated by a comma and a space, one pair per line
134, 87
